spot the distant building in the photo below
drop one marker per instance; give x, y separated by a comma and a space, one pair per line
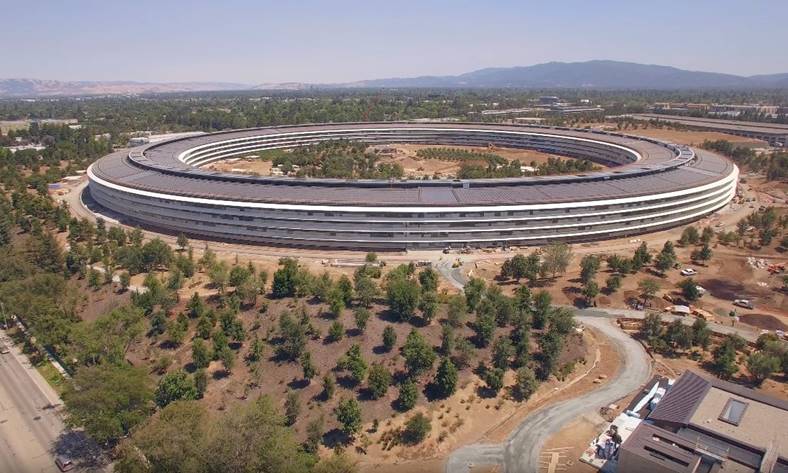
548, 100
708, 426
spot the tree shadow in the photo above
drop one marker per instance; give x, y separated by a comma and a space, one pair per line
380, 350
82, 450
335, 438
347, 382
298, 383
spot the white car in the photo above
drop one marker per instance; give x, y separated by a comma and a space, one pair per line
688, 272
746, 303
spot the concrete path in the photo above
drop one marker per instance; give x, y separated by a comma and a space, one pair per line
520, 453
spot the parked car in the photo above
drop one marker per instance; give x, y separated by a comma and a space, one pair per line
688, 272
746, 303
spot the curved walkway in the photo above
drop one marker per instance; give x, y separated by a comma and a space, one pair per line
520, 452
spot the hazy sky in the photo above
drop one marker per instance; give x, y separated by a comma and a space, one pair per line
333, 41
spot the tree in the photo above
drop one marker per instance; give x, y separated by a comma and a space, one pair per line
707, 235
201, 356
689, 236
613, 283
678, 335
689, 289
456, 310
641, 257
403, 297
493, 378
761, 365
428, 306
484, 328
219, 275
525, 384
562, 320
366, 290
336, 331
175, 386
378, 381
108, 400
590, 291
174, 440
556, 258
353, 361
417, 428
589, 266
428, 278
408, 395
542, 308
125, 281
704, 254
474, 291
701, 333
445, 381
182, 241
253, 437
666, 258
520, 266
348, 414
308, 366
361, 315
285, 278
227, 357
329, 386
550, 344
389, 338
648, 289
419, 355
502, 351
200, 382
292, 407
652, 326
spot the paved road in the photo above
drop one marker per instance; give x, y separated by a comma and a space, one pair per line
30, 427
520, 453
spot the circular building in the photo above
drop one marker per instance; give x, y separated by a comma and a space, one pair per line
649, 185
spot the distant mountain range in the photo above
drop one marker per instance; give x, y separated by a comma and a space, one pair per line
552, 75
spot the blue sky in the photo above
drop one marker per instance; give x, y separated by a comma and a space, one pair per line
313, 41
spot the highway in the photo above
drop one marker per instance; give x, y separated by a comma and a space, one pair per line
30, 427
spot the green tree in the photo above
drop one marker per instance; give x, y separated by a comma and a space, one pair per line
108, 400
613, 283
428, 306
590, 291
648, 289
446, 378
308, 366
408, 395
201, 356
525, 384
378, 381
556, 258
336, 331
329, 386
417, 428
182, 241
418, 353
641, 257
428, 278
366, 291
502, 352
589, 266
314, 434
762, 365
389, 338
542, 308
361, 315
666, 258
348, 414
403, 297
701, 333
175, 386
474, 292
456, 311
493, 378
353, 361
689, 236
689, 289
